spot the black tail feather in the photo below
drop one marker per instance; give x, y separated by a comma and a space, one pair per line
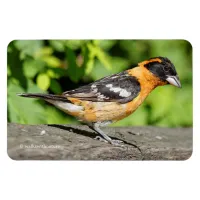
44, 96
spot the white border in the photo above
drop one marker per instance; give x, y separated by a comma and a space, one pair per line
99, 180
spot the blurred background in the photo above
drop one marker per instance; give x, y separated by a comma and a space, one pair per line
55, 66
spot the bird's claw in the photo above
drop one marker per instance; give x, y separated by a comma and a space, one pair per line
117, 143
113, 142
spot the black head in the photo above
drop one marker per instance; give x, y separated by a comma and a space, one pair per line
164, 69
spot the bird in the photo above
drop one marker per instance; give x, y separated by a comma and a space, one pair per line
113, 97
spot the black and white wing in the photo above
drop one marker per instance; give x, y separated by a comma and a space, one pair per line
120, 87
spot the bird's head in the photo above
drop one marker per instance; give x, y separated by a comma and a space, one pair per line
163, 69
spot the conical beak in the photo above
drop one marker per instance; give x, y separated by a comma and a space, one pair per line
174, 80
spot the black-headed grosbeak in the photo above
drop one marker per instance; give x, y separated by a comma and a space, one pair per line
114, 97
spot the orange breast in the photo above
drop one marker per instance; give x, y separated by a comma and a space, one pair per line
148, 82
135, 103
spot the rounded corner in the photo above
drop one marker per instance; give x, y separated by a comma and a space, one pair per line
10, 157
10, 43
187, 41
189, 156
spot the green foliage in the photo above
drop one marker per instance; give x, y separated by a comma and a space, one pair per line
22, 111
54, 66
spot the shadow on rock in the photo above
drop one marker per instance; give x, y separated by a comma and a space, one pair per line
90, 134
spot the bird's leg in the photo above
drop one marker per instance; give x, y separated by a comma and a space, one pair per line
96, 127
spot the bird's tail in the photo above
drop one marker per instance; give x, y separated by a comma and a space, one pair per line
59, 101
44, 96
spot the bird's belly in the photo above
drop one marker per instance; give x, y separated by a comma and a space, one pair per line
105, 111
108, 111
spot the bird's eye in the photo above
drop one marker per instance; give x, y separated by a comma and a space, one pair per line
166, 68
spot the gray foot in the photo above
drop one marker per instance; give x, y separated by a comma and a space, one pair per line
117, 143
113, 142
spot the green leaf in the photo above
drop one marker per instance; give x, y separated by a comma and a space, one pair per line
58, 45
24, 110
74, 44
28, 47
33, 88
56, 72
15, 66
106, 44
45, 51
74, 72
32, 67
88, 60
104, 59
55, 86
89, 65
52, 61
43, 81
101, 55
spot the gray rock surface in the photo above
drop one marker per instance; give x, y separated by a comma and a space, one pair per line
67, 142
